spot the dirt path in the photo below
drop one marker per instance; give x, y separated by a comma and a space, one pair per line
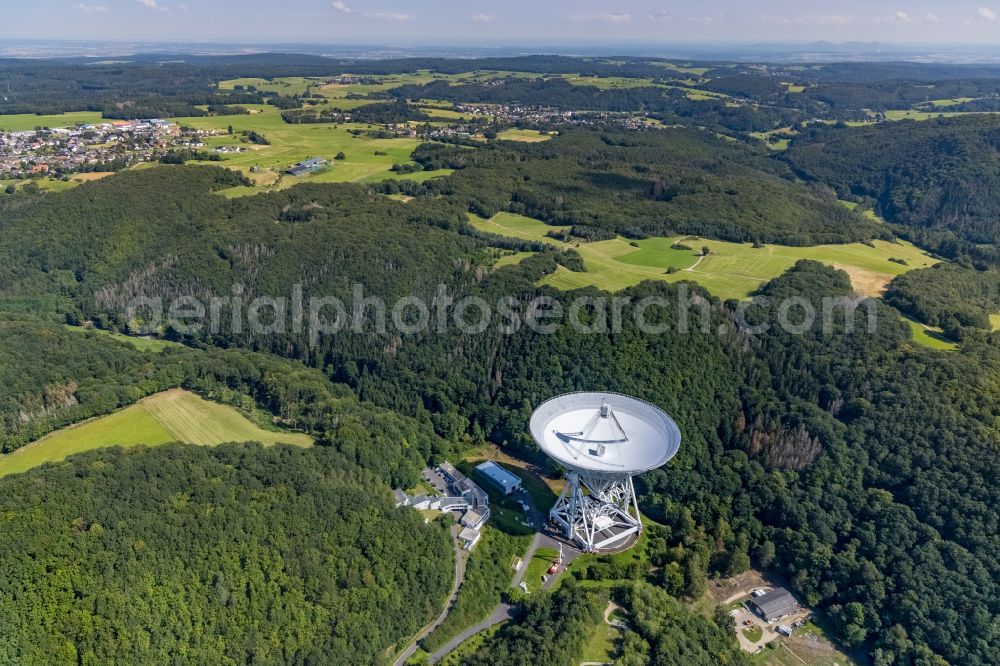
612, 607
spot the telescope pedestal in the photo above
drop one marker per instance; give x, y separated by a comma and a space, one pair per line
600, 519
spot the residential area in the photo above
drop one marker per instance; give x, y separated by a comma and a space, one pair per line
99, 147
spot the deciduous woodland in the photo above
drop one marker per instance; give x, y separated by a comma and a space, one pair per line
858, 465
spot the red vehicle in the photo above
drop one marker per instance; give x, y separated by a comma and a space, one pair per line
747, 622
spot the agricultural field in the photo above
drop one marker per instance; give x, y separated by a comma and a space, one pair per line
44, 184
22, 122
913, 114
948, 102
365, 158
525, 135
610, 82
512, 259
683, 69
730, 270
170, 416
288, 85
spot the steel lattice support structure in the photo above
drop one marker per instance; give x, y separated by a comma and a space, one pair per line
601, 519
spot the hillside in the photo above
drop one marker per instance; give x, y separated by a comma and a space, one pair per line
221, 547
937, 175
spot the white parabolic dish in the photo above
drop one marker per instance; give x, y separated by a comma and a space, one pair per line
605, 434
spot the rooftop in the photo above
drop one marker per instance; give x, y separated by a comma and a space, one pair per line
776, 603
499, 475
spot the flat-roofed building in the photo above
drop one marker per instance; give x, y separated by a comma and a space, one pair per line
469, 537
473, 519
500, 477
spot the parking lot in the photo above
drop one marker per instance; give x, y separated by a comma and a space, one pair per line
434, 478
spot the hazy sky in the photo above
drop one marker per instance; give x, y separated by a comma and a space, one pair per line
498, 22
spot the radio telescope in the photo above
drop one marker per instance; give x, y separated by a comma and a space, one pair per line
603, 440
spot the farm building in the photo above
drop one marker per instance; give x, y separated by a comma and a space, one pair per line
306, 166
499, 476
775, 604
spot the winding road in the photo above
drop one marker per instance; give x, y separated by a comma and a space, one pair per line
504, 611
459, 577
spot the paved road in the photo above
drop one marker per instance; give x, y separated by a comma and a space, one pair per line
502, 612
459, 577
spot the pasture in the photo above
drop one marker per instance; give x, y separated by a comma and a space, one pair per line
730, 270
913, 114
22, 122
170, 416
525, 135
928, 336
142, 344
287, 85
365, 158
948, 102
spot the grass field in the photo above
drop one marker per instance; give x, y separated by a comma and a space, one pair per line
912, 114
525, 135
928, 336
171, 416
142, 344
731, 270
289, 144
538, 566
753, 634
512, 259
21, 122
287, 85
44, 184
948, 102
602, 645
683, 69
995, 321
294, 143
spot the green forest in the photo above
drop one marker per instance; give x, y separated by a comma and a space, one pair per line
237, 554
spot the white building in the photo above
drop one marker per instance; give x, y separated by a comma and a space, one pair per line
499, 476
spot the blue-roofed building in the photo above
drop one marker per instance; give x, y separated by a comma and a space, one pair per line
306, 166
499, 476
